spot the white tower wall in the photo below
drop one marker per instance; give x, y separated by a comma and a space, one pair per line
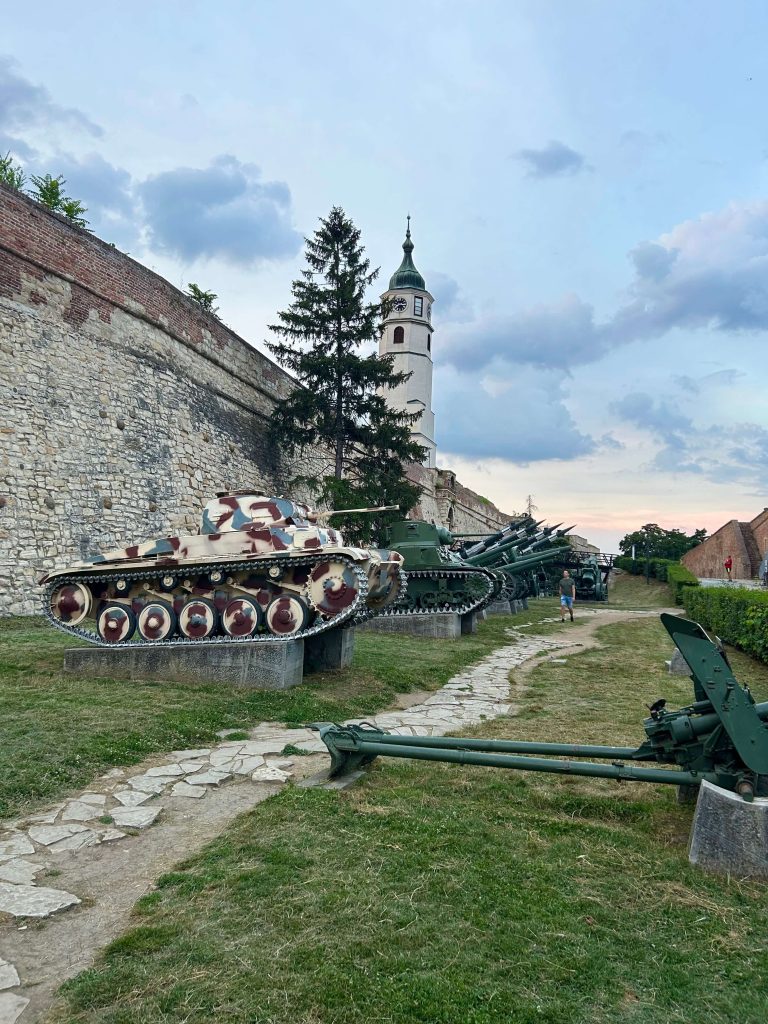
412, 355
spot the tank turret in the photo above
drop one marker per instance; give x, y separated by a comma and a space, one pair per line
260, 568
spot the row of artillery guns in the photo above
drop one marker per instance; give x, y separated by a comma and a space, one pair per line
445, 574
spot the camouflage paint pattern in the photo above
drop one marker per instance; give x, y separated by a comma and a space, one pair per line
171, 586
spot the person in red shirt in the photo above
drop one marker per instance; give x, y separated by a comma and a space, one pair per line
728, 563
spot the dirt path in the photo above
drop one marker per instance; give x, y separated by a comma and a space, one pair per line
108, 878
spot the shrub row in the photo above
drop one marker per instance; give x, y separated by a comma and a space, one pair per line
736, 615
658, 566
680, 580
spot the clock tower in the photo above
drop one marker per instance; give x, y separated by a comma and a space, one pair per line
406, 334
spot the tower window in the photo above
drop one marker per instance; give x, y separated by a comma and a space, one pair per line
429, 343
399, 337
418, 306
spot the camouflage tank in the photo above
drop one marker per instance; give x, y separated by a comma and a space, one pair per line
259, 569
438, 579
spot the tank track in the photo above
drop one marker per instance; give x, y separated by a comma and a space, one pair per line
460, 574
356, 612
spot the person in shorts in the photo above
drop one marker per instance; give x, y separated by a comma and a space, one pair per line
567, 590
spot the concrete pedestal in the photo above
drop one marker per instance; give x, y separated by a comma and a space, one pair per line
329, 651
499, 608
260, 665
677, 665
729, 836
267, 665
443, 625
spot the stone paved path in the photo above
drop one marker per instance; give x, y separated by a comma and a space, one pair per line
100, 844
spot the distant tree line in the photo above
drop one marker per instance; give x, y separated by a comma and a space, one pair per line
651, 539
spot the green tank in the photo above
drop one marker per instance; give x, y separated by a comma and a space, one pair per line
438, 579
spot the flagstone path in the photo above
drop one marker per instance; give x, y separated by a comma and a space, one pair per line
101, 850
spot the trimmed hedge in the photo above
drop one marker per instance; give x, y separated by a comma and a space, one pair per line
658, 566
738, 616
680, 579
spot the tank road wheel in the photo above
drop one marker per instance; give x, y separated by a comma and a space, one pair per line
242, 617
286, 615
157, 622
167, 583
332, 588
70, 603
198, 619
115, 623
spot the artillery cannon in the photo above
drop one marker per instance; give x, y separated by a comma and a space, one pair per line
722, 737
591, 580
260, 568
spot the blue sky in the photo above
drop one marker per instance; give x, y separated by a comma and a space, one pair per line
588, 185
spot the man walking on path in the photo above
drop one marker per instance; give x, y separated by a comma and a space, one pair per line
567, 595
728, 563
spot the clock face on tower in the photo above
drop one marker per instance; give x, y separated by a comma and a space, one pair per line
399, 304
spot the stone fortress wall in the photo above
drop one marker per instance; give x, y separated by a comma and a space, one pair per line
125, 406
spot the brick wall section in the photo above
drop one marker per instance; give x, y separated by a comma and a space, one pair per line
759, 528
706, 559
746, 543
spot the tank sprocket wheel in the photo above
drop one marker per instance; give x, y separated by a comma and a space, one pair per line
198, 619
71, 603
286, 615
329, 591
115, 623
156, 621
242, 617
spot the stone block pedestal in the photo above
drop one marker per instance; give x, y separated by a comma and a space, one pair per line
729, 836
443, 625
499, 608
259, 665
329, 651
677, 664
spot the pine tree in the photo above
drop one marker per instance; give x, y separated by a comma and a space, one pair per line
338, 407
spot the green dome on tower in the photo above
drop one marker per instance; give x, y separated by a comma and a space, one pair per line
406, 275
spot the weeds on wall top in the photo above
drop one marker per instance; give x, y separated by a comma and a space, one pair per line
45, 189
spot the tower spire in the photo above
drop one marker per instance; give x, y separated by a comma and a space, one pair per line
406, 275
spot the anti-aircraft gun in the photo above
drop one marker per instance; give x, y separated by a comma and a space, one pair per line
520, 555
722, 737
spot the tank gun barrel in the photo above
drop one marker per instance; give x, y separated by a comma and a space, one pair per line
345, 511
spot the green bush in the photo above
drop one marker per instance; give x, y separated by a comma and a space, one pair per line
658, 566
679, 578
737, 615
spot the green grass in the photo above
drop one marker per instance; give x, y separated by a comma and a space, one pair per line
625, 591
59, 731
449, 895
